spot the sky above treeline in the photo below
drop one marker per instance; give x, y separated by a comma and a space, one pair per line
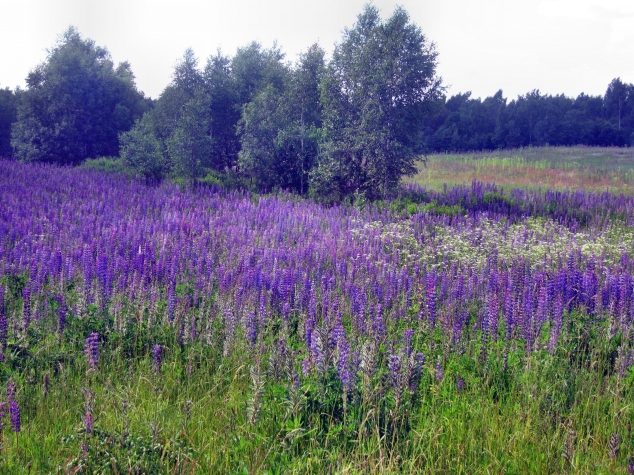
556, 46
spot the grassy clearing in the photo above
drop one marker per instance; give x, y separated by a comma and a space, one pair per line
588, 168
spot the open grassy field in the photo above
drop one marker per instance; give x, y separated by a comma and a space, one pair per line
584, 168
160, 330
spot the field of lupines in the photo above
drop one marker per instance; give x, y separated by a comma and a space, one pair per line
162, 330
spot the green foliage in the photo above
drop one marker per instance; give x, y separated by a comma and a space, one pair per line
141, 151
8, 115
533, 119
380, 86
120, 452
105, 164
75, 105
280, 129
190, 145
246, 415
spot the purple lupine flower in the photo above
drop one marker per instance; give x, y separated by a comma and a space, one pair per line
3, 333
88, 422
262, 310
458, 324
439, 371
26, 312
252, 328
408, 334
4, 410
416, 370
557, 323
286, 312
490, 327
87, 267
338, 333
459, 384
394, 368
157, 357
1, 300
431, 298
508, 314
542, 305
343, 366
378, 325
306, 366
102, 275
14, 411
91, 350
10, 390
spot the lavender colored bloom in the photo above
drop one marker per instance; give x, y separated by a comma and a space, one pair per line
10, 390
14, 411
262, 310
26, 309
431, 298
394, 367
439, 370
509, 314
157, 357
378, 325
408, 334
459, 384
3, 332
490, 323
306, 366
4, 410
557, 324
91, 350
416, 371
252, 328
88, 422
343, 366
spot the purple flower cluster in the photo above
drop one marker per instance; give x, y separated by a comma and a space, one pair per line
91, 350
14, 408
157, 357
350, 290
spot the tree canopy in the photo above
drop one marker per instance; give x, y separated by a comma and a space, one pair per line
380, 86
76, 104
352, 125
8, 115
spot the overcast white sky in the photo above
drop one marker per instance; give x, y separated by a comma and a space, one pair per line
556, 46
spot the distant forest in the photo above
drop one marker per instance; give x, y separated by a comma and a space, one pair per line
533, 119
353, 125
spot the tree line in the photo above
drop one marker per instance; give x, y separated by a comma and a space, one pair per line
351, 125
534, 119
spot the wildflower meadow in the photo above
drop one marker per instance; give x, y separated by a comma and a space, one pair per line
178, 329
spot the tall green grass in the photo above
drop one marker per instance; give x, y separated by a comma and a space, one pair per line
517, 412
